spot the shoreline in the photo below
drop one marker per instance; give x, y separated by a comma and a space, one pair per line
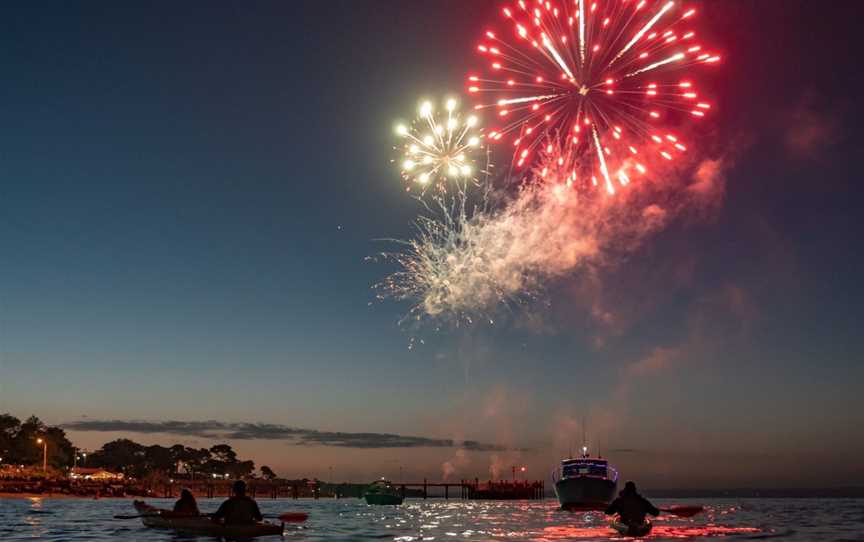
67, 496
59, 496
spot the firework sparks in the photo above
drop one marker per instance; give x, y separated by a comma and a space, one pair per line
447, 270
588, 97
439, 147
463, 267
595, 78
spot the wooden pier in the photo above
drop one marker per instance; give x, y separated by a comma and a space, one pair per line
463, 489
475, 489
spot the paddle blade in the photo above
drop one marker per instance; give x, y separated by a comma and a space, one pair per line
683, 511
293, 517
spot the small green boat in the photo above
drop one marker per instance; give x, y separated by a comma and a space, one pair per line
382, 492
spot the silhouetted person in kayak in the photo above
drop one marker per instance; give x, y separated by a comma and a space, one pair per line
186, 505
631, 506
239, 509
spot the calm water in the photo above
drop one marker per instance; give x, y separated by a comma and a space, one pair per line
351, 519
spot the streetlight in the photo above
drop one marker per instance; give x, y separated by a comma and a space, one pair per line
82, 456
521, 469
44, 444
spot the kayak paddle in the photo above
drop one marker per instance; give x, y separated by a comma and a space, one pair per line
683, 511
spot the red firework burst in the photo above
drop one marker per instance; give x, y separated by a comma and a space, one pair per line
596, 80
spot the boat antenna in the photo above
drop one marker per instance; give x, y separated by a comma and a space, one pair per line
584, 435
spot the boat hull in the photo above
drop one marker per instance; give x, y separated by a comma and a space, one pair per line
585, 493
383, 498
151, 517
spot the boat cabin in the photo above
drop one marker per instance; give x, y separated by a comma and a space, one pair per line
587, 467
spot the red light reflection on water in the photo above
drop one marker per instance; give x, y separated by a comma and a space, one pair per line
562, 532
603, 532
702, 530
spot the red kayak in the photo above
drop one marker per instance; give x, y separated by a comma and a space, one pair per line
633, 530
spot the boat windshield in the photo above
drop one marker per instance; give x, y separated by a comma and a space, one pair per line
586, 468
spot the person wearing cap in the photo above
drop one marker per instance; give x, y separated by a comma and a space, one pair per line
239, 509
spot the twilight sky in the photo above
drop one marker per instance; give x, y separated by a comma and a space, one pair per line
189, 191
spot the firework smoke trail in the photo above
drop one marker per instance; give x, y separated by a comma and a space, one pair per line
608, 79
444, 153
440, 270
462, 267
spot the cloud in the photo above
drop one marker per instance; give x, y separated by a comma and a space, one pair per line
463, 266
263, 431
709, 182
725, 315
657, 361
459, 461
715, 322
810, 130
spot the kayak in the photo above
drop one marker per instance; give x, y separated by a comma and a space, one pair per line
632, 530
165, 519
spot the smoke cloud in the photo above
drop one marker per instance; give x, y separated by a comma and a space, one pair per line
463, 267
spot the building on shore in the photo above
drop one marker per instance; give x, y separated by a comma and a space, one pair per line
96, 474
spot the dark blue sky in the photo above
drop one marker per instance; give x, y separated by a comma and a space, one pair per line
189, 192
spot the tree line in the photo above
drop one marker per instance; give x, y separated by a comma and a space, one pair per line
18, 442
18, 446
